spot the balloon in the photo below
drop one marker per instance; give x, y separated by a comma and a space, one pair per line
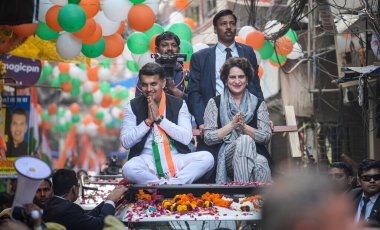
98, 96
63, 67
68, 46
123, 93
105, 87
108, 26
90, 7
104, 74
239, 39
127, 53
52, 109
145, 58
87, 98
87, 86
137, 1
296, 52
152, 44
75, 118
182, 30
116, 10
181, 4
94, 50
52, 18
186, 48
74, 1
47, 69
121, 28
245, 30
155, 29
106, 101
132, 66
266, 51
199, 46
43, 7
87, 30
66, 86
75, 108
190, 22
54, 82
24, 30
258, 56
71, 17
64, 77
95, 37
138, 43
260, 71
45, 33
59, 2
283, 46
176, 17
292, 35
272, 27
99, 115
141, 17
255, 39
278, 59
92, 73
114, 45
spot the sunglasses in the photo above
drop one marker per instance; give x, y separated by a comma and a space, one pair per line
369, 177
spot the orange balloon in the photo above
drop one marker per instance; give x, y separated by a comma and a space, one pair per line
114, 45
52, 109
87, 30
102, 129
94, 110
255, 39
260, 71
181, 4
97, 121
283, 46
52, 18
66, 86
116, 101
106, 101
190, 22
95, 36
121, 28
121, 114
75, 108
90, 7
277, 65
39, 109
63, 67
95, 87
186, 65
152, 44
87, 119
141, 17
46, 125
25, 30
92, 74
239, 39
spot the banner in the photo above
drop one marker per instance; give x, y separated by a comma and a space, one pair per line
24, 71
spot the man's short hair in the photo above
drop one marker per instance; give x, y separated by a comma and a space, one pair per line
368, 164
63, 181
223, 13
167, 35
150, 69
344, 166
20, 111
48, 181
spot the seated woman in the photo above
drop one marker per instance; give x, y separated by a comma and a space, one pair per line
239, 123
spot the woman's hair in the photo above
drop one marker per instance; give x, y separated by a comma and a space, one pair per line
241, 63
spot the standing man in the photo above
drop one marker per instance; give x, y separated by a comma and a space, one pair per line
17, 146
367, 202
157, 129
43, 193
167, 43
341, 173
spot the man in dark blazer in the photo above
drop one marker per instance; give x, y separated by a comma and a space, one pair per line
366, 198
62, 209
205, 67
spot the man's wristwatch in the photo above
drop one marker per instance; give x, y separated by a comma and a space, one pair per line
159, 119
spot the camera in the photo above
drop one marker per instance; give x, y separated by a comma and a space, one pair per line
168, 61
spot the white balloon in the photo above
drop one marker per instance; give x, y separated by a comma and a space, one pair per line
81, 128
145, 58
98, 96
153, 4
116, 10
127, 54
82, 76
258, 57
107, 118
43, 8
68, 115
62, 120
296, 52
91, 129
87, 87
115, 112
199, 46
68, 46
176, 17
104, 74
108, 26
245, 30
74, 71
56, 71
65, 96
272, 27
59, 2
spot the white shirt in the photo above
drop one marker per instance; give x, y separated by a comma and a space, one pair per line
368, 209
220, 58
132, 133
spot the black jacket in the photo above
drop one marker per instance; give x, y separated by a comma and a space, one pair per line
375, 212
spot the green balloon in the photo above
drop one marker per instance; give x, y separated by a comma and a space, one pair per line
138, 43
266, 50
105, 63
155, 29
75, 118
277, 59
99, 115
186, 48
123, 94
71, 17
47, 69
292, 35
137, 1
133, 66
87, 98
60, 112
109, 125
45, 115
54, 82
64, 77
75, 92
105, 87
75, 82
45, 33
94, 50
74, 1
182, 30
82, 66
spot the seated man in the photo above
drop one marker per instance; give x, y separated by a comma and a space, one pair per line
342, 174
43, 193
157, 129
61, 209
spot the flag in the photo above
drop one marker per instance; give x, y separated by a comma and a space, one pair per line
33, 124
45, 146
68, 153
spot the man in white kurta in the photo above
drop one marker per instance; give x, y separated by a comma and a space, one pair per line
149, 120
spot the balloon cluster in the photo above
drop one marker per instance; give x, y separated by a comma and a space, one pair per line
90, 27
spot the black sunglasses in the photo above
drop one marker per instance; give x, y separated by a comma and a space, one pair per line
369, 177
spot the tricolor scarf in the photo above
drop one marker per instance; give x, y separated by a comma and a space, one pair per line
161, 145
